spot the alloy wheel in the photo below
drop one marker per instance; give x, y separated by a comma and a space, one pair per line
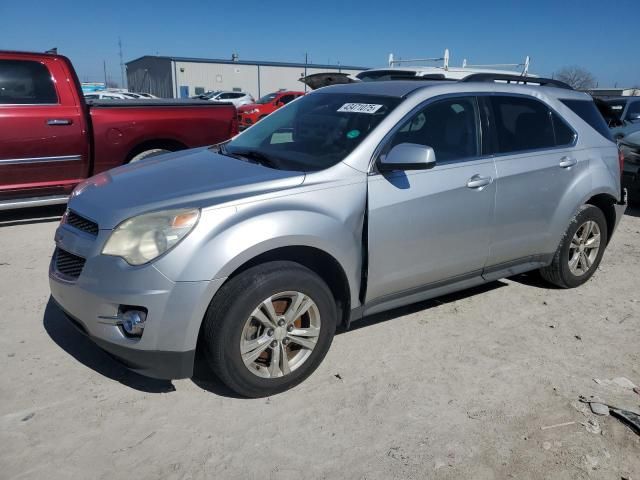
280, 334
584, 248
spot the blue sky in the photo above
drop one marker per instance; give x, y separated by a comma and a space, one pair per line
602, 37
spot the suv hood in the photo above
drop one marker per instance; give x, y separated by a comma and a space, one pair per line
191, 178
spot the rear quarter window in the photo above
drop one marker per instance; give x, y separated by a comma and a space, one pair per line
26, 82
587, 111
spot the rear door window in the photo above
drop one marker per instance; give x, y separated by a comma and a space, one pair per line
587, 111
521, 124
564, 135
26, 82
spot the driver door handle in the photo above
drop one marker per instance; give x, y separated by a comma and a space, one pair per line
566, 162
478, 182
57, 122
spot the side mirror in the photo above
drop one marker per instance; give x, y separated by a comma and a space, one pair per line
408, 156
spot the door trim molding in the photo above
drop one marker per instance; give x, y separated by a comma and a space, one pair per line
21, 161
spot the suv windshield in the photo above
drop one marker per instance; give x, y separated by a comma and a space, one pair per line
267, 98
314, 132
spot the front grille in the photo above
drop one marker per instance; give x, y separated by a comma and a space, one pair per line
68, 264
81, 223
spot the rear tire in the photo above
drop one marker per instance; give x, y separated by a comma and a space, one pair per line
580, 250
238, 323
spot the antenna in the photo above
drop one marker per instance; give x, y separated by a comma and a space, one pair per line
122, 84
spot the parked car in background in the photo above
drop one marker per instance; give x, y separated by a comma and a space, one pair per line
237, 98
253, 112
352, 200
52, 139
626, 110
105, 95
630, 147
146, 95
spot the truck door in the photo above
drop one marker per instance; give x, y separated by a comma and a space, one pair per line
43, 136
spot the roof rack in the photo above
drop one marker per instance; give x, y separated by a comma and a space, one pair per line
492, 77
525, 65
444, 59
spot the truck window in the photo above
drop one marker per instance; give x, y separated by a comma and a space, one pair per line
522, 124
25, 82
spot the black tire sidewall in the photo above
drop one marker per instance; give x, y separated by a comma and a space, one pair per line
227, 317
588, 212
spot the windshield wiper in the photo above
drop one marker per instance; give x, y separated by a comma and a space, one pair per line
256, 156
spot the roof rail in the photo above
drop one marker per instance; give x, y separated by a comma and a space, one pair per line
492, 77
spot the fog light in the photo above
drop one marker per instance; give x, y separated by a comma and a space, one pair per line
133, 322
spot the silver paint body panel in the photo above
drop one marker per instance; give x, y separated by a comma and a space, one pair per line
427, 232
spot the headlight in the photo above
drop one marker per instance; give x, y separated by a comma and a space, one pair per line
145, 237
255, 110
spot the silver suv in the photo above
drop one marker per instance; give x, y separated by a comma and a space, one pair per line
351, 200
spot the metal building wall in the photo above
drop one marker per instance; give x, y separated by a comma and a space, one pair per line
151, 75
257, 80
216, 76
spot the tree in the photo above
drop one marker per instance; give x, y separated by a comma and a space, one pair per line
576, 77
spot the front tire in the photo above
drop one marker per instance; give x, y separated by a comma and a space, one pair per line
269, 328
580, 251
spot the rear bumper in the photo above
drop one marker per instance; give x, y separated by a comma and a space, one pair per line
160, 364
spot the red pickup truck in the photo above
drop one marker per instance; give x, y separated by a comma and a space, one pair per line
51, 139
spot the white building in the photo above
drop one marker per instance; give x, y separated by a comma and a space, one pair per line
182, 77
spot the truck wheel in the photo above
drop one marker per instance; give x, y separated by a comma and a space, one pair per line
580, 251
148, 153
268, 328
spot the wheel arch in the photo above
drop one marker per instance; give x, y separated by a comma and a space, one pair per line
605, 202
169, 144
315, 259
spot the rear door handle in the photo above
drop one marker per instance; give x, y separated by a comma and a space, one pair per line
59, 122
566, 162
478, 182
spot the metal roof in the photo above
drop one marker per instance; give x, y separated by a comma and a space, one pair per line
262, 63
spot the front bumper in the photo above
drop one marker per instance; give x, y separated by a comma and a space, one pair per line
94, 301
151, 363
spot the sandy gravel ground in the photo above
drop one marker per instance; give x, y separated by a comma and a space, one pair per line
457, 388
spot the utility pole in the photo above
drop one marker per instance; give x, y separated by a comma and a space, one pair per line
122, 82
104, 65
306, 60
